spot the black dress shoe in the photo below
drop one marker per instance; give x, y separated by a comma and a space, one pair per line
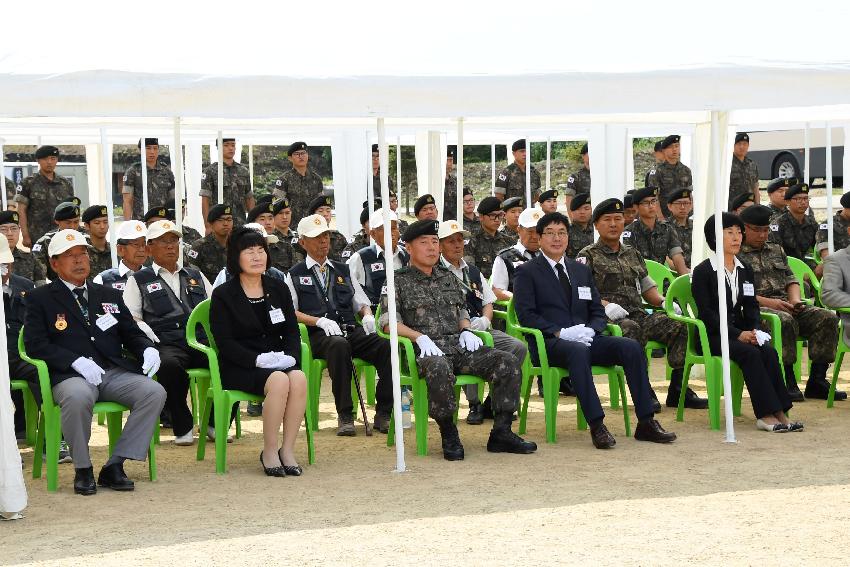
112, 476
794, 391
294, 470
540, 386
656, 405
84, 482
602, 438
652, 431
566, 387
475, 415
272, 471
692, 401
506, 441
818, 388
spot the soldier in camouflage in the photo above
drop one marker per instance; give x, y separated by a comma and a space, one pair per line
238, 192
579, 182
624, 283
470, 219
512, 208
323, 206
670, 174
96, 221
581, 229
209, 254
794, 229
66, 215
655, 240
744, 176
376, 173
287, 251
11, 190
450, 186
741, 202
681, 204
160, 183
776, 193
24, 262
425, 207
548, 201
431, 312
778, 291
840, 224
402, 224
629, 209
511, 181
486, 244
39, 194
299, 185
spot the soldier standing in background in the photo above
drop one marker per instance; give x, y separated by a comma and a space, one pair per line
209, 254
511, 181
24, 262
450, 194
486, 244
96, 221
160, 183
581, 229
670, 174
299, 185
237, 185
744, 176
39, 195
376, 173
579, 182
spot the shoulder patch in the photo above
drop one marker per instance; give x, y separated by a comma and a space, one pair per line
36, 247
774, 227
824, 226
192, 253
627, 234
581, 260
203, 177
503, 177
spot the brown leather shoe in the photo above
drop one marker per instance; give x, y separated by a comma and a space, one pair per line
652, 431
345, 428
381, 423
602, 438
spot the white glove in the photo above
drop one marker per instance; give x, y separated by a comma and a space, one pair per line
479, 323
676, 309
615, 312
88, 369
576, 333
150, 362
586, 335
427, 347
470, 341
284, 361
368, 322
329, 326
762, 337
267, 360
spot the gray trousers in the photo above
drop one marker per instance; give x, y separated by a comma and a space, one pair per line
506, 343
76, 397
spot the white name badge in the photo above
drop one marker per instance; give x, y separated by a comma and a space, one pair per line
749, 290
584, 292
377, 267
277, 316
106, 322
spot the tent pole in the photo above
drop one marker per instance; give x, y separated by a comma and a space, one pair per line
493, 170
179, 189
829, 189
527, 170
391, 306
106, 160
3, 173
398, 170
219, 145
370, 180
459, 167
251, 165
144, 171
548, 165
807, 143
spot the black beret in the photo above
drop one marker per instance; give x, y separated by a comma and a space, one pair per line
94, 212
374, 148
583, 149
550, 194
728, 219
518, 145
66, 211
171, 215
657, 146
265, 199
467, 191
451, 152
605, 207
296, 147
377, 203
681, 193
845, 200
579, 200
420, 228
7, 217
260, 209
46, 151
669, 141
149, 142
160, 212
740, 200
781, 182
426, 199
628, 201
757, 215
641, 194
796, 190
280, 204
364, 215
742, 137
73, 200
218, 211
320, 201
489, 205
225, 140
551, 218
511, 203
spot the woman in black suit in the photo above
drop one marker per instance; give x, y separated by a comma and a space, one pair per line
254, 325
748, 345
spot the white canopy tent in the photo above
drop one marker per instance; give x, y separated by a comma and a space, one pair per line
540, 71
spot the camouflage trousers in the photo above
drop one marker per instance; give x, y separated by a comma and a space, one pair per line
819, 326
499, 368
658, 327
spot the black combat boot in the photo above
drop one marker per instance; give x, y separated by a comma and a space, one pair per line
791, 383
503, 440
452, 448
692, 401
817, 385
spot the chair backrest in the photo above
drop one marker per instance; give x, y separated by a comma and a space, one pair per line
41, 368
803, 272
660, 274
200, 316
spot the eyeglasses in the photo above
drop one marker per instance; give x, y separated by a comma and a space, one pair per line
300, 154
10, 229
680, 204
758, 229
555, 234
650, 203
801, 199
495, 216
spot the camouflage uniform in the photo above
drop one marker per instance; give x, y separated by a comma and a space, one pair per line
42, 269
511, 182
41, 197
190, 235
772, 278
622, 278
208, 256
160, 187
434, 305
578, 182
360, 240
579, 238
510, 235
668, 177
11, 189
24, 264
774, 210
299, 190
472, 226
656, 244
99, 260
450, 198
796, 238
483, 249
286, 252
840, 237
686, 236
744, 178
338, 244
237, 189
376, 185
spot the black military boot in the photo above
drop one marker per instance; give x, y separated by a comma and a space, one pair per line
692, 401
817, 385
503, 440
476, 415
452, 448
791, 383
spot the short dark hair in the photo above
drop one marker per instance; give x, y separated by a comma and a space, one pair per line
240, 239
552, 218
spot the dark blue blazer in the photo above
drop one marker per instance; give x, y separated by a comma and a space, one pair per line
540, 303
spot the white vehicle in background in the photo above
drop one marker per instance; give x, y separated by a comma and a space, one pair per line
781, 153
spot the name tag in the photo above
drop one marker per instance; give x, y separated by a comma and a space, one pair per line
276, 316
110, 307
106, 322
584, 292
627, 234
749, 290
376, 267
305, 280
637, 285
774, 227
518, 264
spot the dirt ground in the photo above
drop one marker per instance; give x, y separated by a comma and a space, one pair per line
769, 498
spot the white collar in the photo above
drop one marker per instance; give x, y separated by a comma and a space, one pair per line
738, 263
552, 262
156, 268
449, 265
123, 269
72, 287
311, 262
380, 250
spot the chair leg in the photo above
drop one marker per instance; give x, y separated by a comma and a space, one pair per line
113, 425
527, 378
314, 381
839, 358
193, 394
457, 402
53, 433
222, 408
369, 374
202, 429
238, 422
311, 448
39, 447
737, 380
420, 404
101, 418
621, 379
714, 385
550, 404
391, 432
680, 409
152, 454
30, 417
797, 364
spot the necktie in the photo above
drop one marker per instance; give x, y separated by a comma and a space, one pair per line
80, 293
565, 283
322, 274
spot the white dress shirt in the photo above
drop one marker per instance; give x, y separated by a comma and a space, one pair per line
358, 272
360, 298
731, 277
487, 295
499, 277
122, 269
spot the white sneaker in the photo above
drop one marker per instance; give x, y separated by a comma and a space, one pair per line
211, 434
187, 438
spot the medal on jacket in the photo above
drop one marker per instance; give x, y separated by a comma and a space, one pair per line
61, 324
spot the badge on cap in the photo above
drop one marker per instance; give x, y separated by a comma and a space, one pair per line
139, 228
61, 324
316, 221
227, 210
69, 237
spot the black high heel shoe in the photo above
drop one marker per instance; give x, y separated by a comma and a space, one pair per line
272, 471
294, 470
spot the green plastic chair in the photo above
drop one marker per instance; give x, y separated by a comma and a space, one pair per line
222, 400
839, 357
50, 425
30, 409
803, 272
663, 277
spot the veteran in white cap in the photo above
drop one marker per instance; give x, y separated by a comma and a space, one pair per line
132, 251
368, 265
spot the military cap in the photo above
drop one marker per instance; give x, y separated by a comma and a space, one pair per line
64, 240
488, 205
421, 228
377, 204
545, 195
467, 191
583, 149
740, 200
518, 145
742, 137
680, 193
845, 200
781, 182
529, 217
607, 206
628, 200
757, 215
66, 211
94, 212
375, 148
796, 190
73, 200
657, 146
225, 140
320, 201
9, 217
280, 204
149, 142
426, 199
171, 215
364, 215
579, 200
641, 194
265, 199
511, 203
156, 212
451, 152
728, 219
259, 210
46, 151
296, 147
218, 211
669, 141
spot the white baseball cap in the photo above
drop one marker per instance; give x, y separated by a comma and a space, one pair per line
160, 227
131, 230
450, 227
64, 240
5, 253
529, 217
376, 220
312, 226
270, 238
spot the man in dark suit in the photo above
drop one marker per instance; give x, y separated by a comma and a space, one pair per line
79, 329
557, 295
